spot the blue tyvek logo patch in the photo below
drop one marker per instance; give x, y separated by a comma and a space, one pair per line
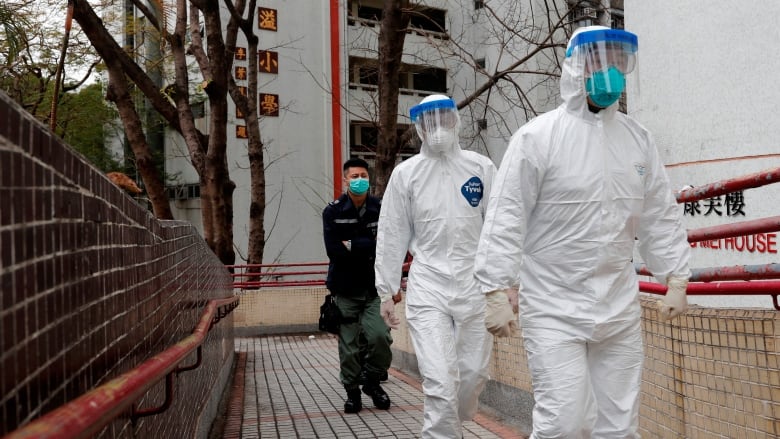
472, 190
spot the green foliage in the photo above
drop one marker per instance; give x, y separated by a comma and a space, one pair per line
84, 118
12, 32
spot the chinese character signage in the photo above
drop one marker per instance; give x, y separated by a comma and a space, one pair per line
243, 90
241, 132
732, 206
241, 73
268, 61
269, 105
241, 53
266, 19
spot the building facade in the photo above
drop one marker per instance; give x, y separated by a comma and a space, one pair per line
318, 79
702, 96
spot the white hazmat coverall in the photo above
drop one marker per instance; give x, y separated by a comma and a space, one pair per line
429, 208
574, 190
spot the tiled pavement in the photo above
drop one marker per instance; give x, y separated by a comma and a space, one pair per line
287, 386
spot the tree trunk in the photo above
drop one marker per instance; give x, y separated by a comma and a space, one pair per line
248, 107
217, 174
119, 93
392, 33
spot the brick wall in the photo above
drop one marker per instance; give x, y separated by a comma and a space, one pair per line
710, 373
92, 285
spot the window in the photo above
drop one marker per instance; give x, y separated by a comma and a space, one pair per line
478, 4
363, 140
429, 19
365, 71
430, 79
369, 13
183, 192
363, 13
616, 20
481, 63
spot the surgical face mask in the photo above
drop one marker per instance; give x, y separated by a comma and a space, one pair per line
604, 87
441, 139
358, 186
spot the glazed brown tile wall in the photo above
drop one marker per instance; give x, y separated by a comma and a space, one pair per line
92, 285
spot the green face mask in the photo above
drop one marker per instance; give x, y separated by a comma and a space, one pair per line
358, 186
604, 88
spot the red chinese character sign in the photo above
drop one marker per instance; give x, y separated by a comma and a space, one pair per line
268, 61
241, 73
266, 19
240, 53
269, 105
241, 132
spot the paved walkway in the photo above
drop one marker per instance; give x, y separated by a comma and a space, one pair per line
287, 386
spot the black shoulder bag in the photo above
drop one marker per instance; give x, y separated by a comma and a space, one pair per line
330, 316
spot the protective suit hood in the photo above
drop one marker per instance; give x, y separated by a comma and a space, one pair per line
572, 85
437, 123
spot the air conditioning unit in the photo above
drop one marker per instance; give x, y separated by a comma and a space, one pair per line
589, 13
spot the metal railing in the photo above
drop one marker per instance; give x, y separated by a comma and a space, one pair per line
88, 414
734, 280
254, 276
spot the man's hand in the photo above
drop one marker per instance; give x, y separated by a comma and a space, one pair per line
387, 311
675, 302
397, 297
499, 318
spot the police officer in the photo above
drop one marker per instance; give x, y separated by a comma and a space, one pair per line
350, 228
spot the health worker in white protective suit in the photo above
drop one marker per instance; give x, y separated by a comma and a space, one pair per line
433, 207
575, 188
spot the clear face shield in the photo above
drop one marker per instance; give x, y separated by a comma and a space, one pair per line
607, 57
437, 123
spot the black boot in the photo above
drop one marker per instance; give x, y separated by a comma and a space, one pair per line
353, 404
378, 395
363, 378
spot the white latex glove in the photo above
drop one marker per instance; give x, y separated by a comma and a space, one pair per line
512, 294
387, 311
499, 318
675, 302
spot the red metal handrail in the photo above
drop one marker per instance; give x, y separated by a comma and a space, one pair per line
240, 281
762, 225
277, 273
741, 279
750, 288
294, 264
737, 272
244, 277
89, 413
723, 187
280, 283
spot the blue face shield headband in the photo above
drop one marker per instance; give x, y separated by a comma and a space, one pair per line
605, 56
419, 110
616, 37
